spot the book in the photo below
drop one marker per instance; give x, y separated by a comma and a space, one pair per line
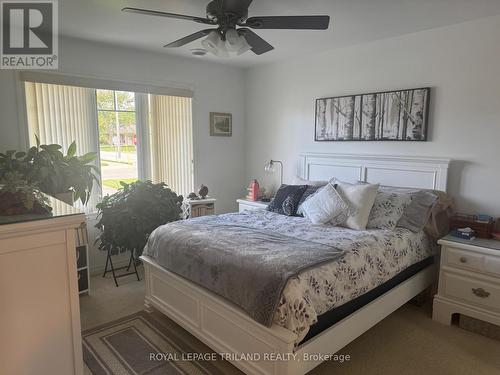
464, 233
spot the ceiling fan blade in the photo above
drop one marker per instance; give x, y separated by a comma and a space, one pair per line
259, 45
189, 38
289, 22
168, 15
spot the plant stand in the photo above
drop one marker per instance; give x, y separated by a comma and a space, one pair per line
113, 270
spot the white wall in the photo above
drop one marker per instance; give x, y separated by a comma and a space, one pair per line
461, 64
218, 88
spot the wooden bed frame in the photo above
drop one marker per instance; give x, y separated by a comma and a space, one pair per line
256, 349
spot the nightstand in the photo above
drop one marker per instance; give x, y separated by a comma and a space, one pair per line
469, 280
244, 204
198, 207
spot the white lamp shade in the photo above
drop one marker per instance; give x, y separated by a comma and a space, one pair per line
221, 49
233, 42
245, 47
210, 43
270, 167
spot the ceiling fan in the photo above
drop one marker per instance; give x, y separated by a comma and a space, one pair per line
232, 32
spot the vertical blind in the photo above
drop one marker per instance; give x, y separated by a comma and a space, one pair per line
63, 114
171, 130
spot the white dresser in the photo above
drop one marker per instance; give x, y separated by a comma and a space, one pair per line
244, 204
39, 306
469, 280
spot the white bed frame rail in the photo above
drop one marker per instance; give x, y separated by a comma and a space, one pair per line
251, 346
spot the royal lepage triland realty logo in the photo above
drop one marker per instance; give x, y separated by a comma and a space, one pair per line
29, 35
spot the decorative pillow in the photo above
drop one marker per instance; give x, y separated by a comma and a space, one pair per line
294, 192
309, 191
360, 198
388, 209
326, 206
289, 205
416, 215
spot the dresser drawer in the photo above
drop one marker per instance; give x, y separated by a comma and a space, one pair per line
464, 259
476, 292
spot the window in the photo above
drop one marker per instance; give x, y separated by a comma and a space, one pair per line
136, 135
116, 117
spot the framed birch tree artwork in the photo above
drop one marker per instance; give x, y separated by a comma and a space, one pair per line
384, 116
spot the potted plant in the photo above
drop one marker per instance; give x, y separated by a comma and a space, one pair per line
17, 196
66, 177
127, 217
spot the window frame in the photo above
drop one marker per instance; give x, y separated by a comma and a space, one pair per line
141, 90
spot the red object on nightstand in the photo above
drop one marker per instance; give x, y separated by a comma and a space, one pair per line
253, 191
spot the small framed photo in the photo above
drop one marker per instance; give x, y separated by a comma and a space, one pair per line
221, 124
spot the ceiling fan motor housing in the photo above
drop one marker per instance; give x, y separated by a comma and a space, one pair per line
232, 11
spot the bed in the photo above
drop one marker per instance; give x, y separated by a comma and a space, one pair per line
372, 280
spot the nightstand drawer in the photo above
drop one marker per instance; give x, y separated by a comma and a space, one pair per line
202, 210
492, 265
464, 259
476, 292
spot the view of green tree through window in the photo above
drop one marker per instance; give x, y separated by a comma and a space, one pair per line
117, 138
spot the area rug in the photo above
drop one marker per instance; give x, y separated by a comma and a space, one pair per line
148, 344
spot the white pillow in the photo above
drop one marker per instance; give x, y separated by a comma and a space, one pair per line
300, 181
325, 206
360, 198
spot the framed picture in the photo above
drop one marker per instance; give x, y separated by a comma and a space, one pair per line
383, 116
221, 124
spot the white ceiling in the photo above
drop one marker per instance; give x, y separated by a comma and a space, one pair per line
353, 22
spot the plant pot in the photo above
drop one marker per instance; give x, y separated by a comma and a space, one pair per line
14, 204
66, 197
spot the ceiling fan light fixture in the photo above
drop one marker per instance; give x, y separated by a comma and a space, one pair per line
221, 50
233, 41
245, 47
210, 43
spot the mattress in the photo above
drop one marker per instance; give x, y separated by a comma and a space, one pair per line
335, 315
372, 257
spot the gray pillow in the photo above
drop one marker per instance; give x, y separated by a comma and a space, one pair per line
388, 209
417, 214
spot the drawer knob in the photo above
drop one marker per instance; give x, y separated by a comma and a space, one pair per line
480, 292
463, 260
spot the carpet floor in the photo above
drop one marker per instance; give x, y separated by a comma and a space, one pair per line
407, 342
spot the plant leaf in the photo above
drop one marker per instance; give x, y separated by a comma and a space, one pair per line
88, 157
72, 149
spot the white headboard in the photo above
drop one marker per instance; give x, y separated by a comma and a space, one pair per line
415, 172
